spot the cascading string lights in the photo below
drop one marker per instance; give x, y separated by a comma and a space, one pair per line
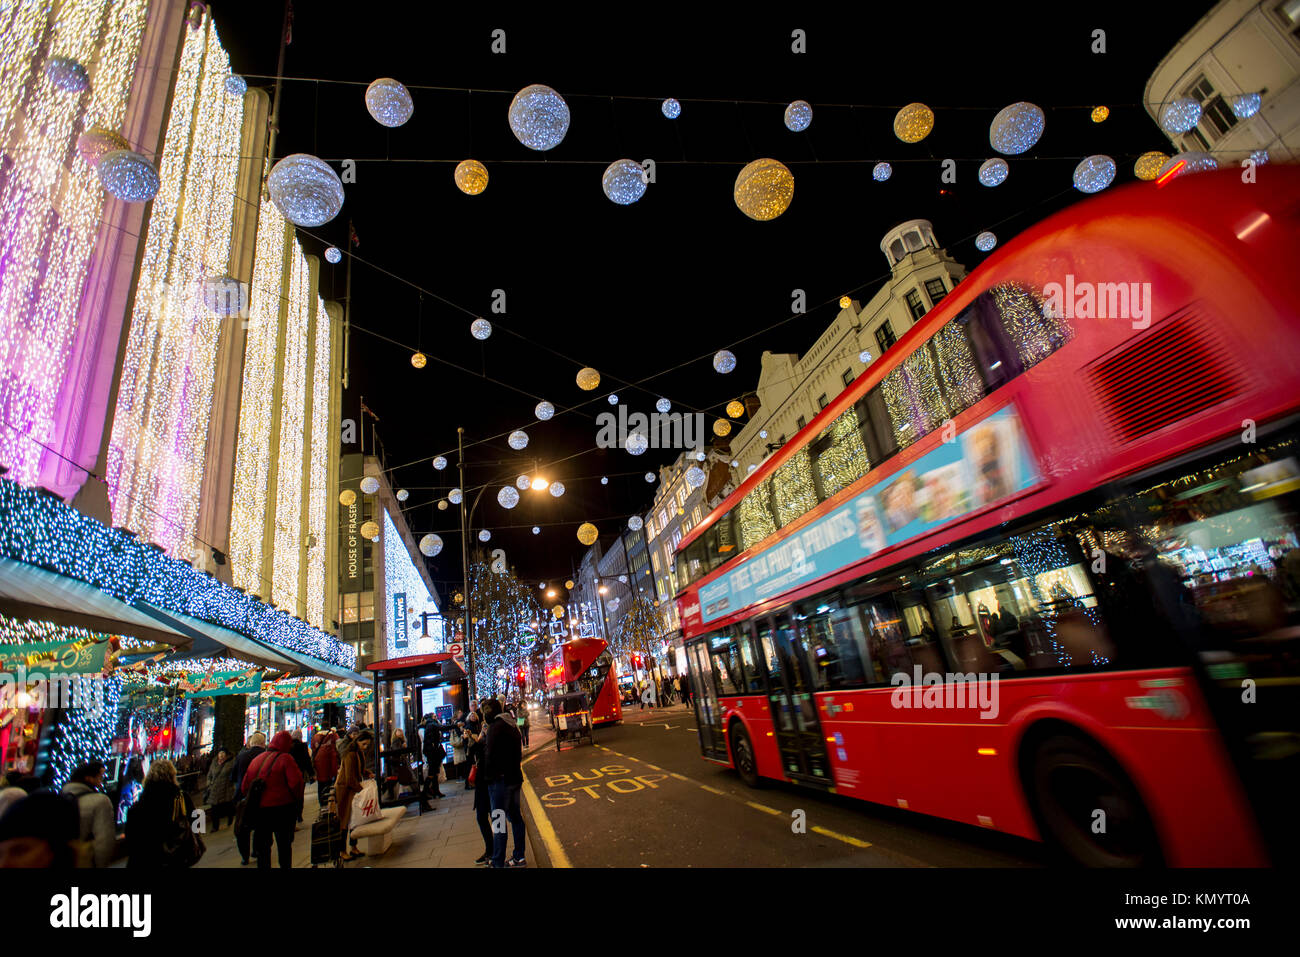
319, 511
51, 210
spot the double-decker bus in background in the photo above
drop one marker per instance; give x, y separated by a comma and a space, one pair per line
585, 664
1036, 570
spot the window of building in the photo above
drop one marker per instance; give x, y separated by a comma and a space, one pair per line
936, 290
663, 519
847, 377
914, 241
1288, 11
1216, 117
896, 250
821, 401
885, 335
695, 515
681, 496
654, 558
914, 304
800, 422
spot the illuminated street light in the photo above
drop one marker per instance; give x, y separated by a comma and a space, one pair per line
539, 484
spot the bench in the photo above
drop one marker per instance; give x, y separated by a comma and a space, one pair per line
375, 837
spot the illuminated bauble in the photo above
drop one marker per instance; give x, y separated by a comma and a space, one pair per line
1099, 114
419, 360
1244, 106
305, 189
798, 116
224, 296
539, 117
735, 409
523, 482
93, 144
569, 584
480, 329
588, 379
333, 254
439, 462
993, 172
1180, 115
721, 427
537, 531
389, 102
1259, 157
663, 405
128, 176
369, 530
635, 523
442, 505
764, 189
700, 456
454, 496
347, 497
845, 302
236, 85
613, 398
624, 182
670, 108
557, 489
735, 464
864, 357
604, 480
1148, 165
508, 496
623, 579
913, 122
1016, 128
66, 74
649, 476
587, 533
558, 611
1193, 161
544, 411
762, 433
403, 495
881, 172
750, 469
1094, 174
723, 361
695, 476
471, 177
484, 535
636, 443
370, 485
518, 440
985, 241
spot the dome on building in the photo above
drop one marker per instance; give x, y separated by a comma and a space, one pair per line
909, 237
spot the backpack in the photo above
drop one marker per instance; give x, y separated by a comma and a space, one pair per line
247, 812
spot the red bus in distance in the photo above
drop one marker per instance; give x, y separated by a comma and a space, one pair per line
1037, 568
585, 664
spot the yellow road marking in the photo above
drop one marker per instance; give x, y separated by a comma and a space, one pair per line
763, 807
713, 790
655, 766
527, 759
553, 847
680, 777
826, 832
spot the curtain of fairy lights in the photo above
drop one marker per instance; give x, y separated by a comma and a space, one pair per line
318, 504
160, 429
51, 204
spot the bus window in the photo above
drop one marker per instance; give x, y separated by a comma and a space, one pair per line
877, 429
835, 645
753, 676
914, 398
726, 664
793, 491
838, 455
755, 516
900, 632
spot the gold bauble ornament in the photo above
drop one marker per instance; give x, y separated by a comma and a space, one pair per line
913, 122
587, 533
471, 177
764, 189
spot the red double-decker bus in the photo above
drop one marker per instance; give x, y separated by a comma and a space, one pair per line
585, 664
1036, 570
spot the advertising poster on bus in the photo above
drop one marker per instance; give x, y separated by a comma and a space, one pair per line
985, 464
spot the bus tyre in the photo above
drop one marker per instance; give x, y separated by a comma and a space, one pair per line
742, 754
1069, 780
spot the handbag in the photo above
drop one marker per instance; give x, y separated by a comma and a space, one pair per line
442, 774
473, 775
246, 812
185, 847
365, 805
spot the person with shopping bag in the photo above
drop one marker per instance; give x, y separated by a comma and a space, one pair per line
280, 784
348, 785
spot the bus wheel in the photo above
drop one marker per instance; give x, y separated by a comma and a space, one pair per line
1086, 807
742, 754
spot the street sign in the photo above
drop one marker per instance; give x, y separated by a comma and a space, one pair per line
455, 649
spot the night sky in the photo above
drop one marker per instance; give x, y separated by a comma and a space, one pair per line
647, 293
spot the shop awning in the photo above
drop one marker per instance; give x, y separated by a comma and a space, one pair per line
215, 641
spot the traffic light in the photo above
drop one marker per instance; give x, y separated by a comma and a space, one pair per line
636, 661
521, 676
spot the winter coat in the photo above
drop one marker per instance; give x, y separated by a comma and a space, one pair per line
242, 762
221, 783
502, 752
97, 822
151, 822
326, 758
284, 781
302, 757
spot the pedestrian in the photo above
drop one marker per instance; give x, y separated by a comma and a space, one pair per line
502, 760
256, 745
457, 739
220, 796
325, 762
399, 764
522, 722
477, 743
434, 754
302, 757
281, 799
473, 728
352, 771
96, 810
686, 690
158, 820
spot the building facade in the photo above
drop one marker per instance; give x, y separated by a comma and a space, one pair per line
1239, 47
793, 389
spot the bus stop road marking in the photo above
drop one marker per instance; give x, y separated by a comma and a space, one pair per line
655, 766
554, 849
681, 777
826, 832
714, 790
763, 807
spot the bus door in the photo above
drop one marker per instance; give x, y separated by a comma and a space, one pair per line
790, 694
708, 717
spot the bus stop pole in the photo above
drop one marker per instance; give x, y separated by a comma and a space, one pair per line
464, 565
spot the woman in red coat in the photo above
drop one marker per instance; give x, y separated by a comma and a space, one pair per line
325, 759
